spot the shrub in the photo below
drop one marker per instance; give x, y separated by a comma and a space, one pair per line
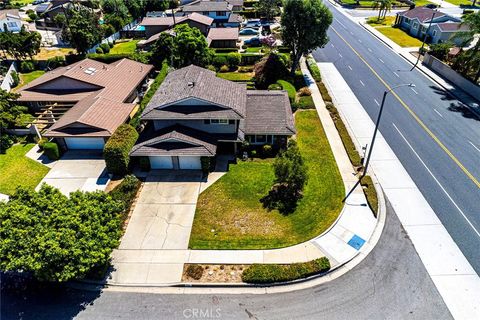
15, 79
270, 273
55, 62
194, 271
275, 86
211, 68
324, 92
105, 47
205, 162
126, 191
111, 45
27, 66
245, 69
313, 67
108, 58
304, 92
440, 50
224, 69
145, 164
219, 61
267, 150
305, 102
41, 143
289, 88
99, 50
6, 142
370, 193
117, 148
234, 59
268, 70
50, 149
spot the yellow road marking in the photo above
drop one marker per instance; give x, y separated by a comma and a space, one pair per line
420, 122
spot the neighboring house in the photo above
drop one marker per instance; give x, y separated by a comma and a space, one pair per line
237, 5
222, 37
444, 28
195, 114
98, 98
220, 11
49, 10
154, 25
10, 20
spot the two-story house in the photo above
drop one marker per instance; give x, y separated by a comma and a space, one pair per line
10, 20
220, 11
195, 114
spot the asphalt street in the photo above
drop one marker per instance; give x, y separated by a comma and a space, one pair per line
390, 283
435, 136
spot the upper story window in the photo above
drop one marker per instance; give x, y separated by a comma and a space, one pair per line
12, 24
216, 121
221, 13
205, 13
415, 25
406, 20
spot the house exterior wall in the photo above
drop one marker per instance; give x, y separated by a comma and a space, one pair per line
223, 44
12, 24
197, 124
151, 30
64, 83
203, 28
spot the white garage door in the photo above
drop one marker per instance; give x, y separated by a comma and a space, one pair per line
190, 163
85, 143
161, 162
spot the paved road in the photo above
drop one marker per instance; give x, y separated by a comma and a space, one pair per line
454, 196
390, 283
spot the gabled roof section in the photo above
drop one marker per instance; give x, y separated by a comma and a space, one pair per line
423, 14
203, 6
9, 13
198, 83
453, 27
222, 34
177, 140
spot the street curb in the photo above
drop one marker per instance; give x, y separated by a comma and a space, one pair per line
476, 112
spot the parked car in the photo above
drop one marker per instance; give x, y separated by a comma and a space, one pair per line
252, 23
248, 31
253, 42
265, 22
431, 6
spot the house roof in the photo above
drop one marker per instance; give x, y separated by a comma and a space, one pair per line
423, 14
101, 106
203, 6
193, 82
10, 13
452, 26
234, 17
175, 141
222, 34
99, 113
236, 3
268, 112
168, 21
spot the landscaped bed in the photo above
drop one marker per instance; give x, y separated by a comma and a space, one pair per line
230, 215
18, 170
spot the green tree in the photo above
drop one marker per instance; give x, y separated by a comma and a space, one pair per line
11, 114
268, 70
190, 47
162, 50
20, 45
58, 238
268, 8
383, 6
82, 29
304, 27
473, 55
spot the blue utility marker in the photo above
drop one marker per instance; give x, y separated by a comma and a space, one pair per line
356, 242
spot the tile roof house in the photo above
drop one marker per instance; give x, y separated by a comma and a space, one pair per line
220, 11
443, 27
10, 19
155, 25
98, 98
222, 37
195, 114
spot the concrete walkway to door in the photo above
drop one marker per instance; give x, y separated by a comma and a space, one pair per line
162, 220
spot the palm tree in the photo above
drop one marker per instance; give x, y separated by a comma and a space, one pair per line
383, 6
473, 22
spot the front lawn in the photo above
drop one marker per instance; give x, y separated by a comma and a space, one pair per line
387, 21
18, 170
399, 36
236, 76
464, 3
229, 214
124, 47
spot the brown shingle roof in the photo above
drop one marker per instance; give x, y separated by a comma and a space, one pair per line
421, 13
168, 21
175, 141
268, 112
201, 84
453, 26
222, 34
14, 13
203, 6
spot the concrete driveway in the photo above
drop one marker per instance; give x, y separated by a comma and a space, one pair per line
78, 170
155, 243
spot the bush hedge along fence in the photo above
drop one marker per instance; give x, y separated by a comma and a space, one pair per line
271, 273
117, 148
50, 149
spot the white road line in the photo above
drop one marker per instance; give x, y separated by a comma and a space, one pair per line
378, 104
396, 74
381, 60
438, 112
414, 90
341, 24
332, 45
363, 84
369, 49
476, 148
434, 178
350, 68
340, 55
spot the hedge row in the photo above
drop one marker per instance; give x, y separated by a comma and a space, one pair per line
50, 149
270, 273
314, 70
370, 193
117, 148
126, 192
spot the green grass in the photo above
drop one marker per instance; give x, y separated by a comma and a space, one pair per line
399, 37
22, 2
231, 206
18, 170
462, 2
305, 102
420, 3
374, 22
290, 88
26, 78
254, 49
124, 47
236, 76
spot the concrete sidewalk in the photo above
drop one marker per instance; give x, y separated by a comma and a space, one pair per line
455, 279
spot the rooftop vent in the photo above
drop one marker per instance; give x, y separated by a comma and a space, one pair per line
191, 84
90, 71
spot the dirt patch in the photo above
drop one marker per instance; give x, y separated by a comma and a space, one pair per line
218, 273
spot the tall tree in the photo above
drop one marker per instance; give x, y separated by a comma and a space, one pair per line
304, 27
82, 29
383, 6
473, 22
268, 8
190, 47
162, 50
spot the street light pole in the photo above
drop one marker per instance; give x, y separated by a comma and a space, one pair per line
377, 124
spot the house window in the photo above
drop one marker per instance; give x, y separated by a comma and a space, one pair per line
231, 121
206, 121
406, 20
260, 138
221, 13
205, 13
11, 24
415, 25
219, 121
434, 33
